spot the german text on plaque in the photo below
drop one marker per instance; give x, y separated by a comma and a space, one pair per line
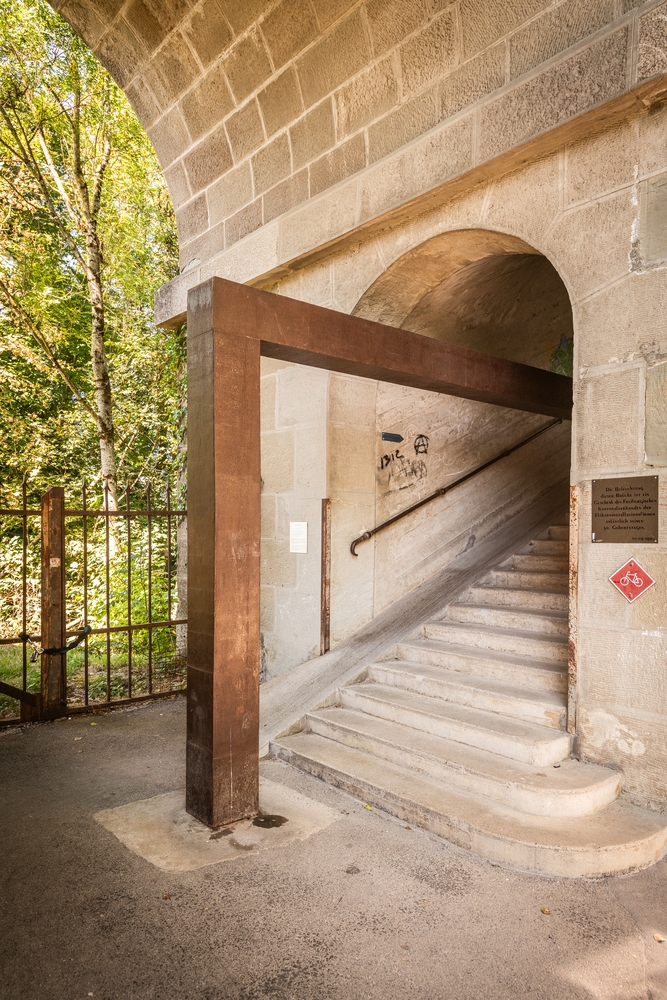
625, 510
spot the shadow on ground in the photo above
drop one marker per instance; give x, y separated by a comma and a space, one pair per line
362, 909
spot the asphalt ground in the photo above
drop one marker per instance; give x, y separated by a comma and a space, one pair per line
362, 909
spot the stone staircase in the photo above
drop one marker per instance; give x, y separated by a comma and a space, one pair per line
460, 729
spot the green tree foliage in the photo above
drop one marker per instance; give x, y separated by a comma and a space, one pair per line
72, 151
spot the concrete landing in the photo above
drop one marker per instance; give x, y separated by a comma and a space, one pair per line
160, 831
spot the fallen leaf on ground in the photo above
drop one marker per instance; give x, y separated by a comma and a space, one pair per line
367, 806
78, 738
93, 723
659, 938
545, 909
165, 895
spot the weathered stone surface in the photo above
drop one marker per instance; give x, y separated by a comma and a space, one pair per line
584, 80
121, 52
653, 220
279, 199
245, 131
192, 219
177, 182
172, 70
475, 79
366, 98
242, 13
607, 439
206, 161
626, 317
271, 164
312, 134
337, 57
338, 164
319, 221
288, 29
150, 22
652, 53
655, 446
169, 137
485, 21
267, 401
244, 222
144, 102
556, 30
207, 102
247, 65
328, 11
230, 193
600, 164
405, 123
280, 102
390, 21
208, 31
430, 54
278, 461
86, 20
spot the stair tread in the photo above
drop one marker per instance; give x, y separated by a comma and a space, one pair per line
618, 824
560, 616
550, 699
572, 774
519, 590
476, 652
517, 633
477, 718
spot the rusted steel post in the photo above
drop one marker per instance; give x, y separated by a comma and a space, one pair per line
222, 769
325, 594
54, 680
572, 614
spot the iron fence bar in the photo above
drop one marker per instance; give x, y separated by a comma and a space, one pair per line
20, 512
103, 631
445, 489
84, 498
110, 513
107, 590
129, 594
150, 592
24, 584
168, 551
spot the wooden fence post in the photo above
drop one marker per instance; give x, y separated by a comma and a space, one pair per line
54, 679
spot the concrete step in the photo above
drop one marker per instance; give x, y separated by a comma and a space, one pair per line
547, 547
539, 564
544, 600
559, 532
522, 618
516, 579
539, 675
499, 734
545, 708
619, 838
573, 789
549, 647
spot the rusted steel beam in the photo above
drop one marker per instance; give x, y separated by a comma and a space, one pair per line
296, 331
222, 770
325, 579
52, 632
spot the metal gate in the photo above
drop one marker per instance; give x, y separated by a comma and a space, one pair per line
89, 606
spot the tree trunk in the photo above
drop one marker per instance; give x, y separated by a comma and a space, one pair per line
98, 357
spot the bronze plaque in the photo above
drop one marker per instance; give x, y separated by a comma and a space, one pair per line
625, 510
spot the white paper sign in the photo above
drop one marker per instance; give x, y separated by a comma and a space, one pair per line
298, 536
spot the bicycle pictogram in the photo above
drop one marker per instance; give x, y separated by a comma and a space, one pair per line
631, 579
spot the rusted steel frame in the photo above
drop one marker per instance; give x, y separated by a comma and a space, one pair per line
129, 594
53, 685
325, 579
84, 500
572, 626
24, 584
445, 489
150, 589
222, 754
306, 334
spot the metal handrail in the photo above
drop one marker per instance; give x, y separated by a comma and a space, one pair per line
445, 489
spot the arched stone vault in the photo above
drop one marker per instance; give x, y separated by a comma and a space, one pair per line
308, 120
